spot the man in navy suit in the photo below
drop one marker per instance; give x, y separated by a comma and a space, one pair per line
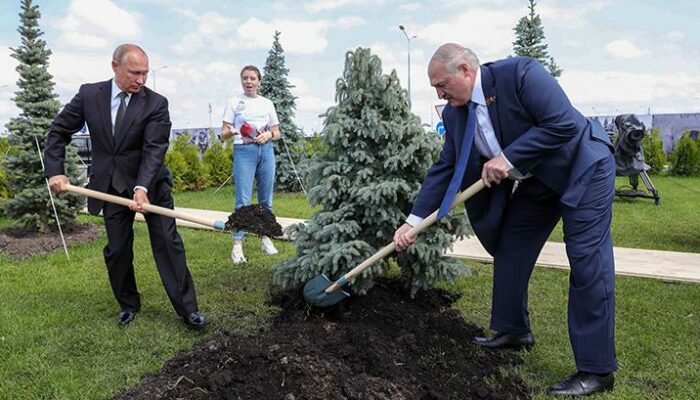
129, 128
525, 130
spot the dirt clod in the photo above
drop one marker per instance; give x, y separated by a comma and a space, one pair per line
255, 219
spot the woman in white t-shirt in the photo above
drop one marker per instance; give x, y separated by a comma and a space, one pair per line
251, 120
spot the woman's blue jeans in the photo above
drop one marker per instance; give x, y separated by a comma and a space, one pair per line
253, 162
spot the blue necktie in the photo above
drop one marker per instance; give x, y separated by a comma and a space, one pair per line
461, 164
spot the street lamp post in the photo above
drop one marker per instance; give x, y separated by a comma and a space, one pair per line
154, 74
408, 39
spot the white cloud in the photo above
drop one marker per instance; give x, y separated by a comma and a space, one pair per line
567, 14
97, 24
619, 88
489, 33
304, 37
350, 22
410, 6
326, 5
214, 32
674, 36
623, 48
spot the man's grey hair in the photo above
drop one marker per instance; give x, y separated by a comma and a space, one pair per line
122, 50
451, 55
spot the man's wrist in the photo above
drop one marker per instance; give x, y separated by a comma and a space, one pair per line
140, 188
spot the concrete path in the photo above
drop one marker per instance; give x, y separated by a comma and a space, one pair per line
664, 265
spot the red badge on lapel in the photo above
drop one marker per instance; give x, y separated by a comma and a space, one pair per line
491, 99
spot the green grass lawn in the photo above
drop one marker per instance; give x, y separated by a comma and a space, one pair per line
59, 338
289, 205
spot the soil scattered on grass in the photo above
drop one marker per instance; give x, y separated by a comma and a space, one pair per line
380, 346
255, 219
21, 243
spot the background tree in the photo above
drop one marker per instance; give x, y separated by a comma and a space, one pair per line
685, 158
276, 87
654, 154
38, 103
376, 156
183, 160
530, 40
217, 161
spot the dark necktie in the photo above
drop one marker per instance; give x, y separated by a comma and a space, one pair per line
118, 182
120, 115
461, 165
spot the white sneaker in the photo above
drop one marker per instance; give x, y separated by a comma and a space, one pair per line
237, 254
267, 246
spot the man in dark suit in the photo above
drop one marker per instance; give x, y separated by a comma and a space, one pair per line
129, 128
523, 128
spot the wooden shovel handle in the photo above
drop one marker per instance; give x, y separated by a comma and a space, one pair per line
413, 232
148, 207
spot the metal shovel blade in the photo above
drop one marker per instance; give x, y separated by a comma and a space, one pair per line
315, 292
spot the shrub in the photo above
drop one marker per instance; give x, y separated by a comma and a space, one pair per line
217, 161
178, 167
654, 154
195, 176
685, 159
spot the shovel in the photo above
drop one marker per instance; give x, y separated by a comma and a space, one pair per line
269, 228
321, 292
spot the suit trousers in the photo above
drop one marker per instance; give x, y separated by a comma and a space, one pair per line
530, 217
166, 245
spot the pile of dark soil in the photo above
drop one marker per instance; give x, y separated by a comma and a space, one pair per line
255, 219
21, 243
380, 346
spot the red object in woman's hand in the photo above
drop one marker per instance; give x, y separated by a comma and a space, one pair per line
247, 129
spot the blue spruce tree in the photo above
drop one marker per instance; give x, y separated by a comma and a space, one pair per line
377, 156
36, 99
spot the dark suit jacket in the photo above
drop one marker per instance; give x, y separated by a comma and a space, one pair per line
539, 131
139, 152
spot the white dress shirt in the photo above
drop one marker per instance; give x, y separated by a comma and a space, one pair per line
114, 104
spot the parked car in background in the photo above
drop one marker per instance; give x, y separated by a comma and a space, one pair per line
82, 144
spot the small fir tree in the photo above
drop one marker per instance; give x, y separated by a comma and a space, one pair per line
654, 154
196, 175
290, 152
36, 99
530, 41
685, 159
376, 156
217, 161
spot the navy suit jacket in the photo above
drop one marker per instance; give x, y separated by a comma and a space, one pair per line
539, 131
140, 150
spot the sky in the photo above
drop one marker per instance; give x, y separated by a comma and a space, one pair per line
618, 56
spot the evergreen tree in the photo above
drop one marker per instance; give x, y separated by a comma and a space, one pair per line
654, 154
685, 159
530, 41
376, 157
276, 87
217, 162
38, 103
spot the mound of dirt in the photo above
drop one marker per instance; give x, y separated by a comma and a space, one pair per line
256, 219
380, 346
21, 243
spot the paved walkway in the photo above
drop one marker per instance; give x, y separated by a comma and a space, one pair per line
664, 265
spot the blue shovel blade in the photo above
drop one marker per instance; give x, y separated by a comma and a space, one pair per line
315, 292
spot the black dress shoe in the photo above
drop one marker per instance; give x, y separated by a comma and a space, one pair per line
196, 320
505, 341
582, 384
126, 317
